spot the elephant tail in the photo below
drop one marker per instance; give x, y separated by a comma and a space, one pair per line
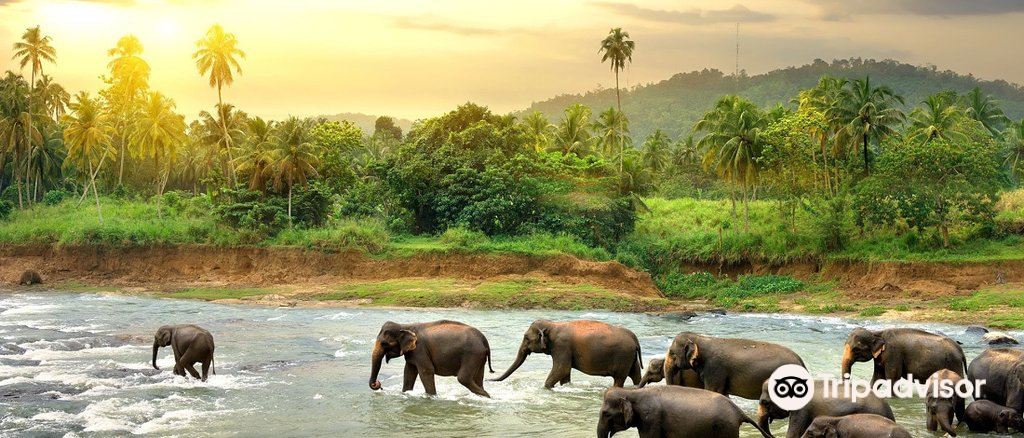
746, 419
213, 365
489, 361
639, 357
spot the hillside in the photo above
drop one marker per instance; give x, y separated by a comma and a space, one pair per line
676, 103
366, 121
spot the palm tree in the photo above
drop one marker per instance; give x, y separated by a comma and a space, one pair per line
17, 132
128, 84
733, 143
197, 159
655, 151
612, 129
256, 153
683, 154
158, 131
572, 135
213, 129
867, 113
87, 136
1013, 139
34, 48
985, 110
44, 161
539, 129
217, 53
294, 157
816, 103
618, 49
938, 118
53, 97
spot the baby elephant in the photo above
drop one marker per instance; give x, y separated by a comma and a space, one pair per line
442, 348
655, 373
855, 426
987, 416
942, 403
191, 344
671, 411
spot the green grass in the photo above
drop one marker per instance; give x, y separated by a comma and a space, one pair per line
986, 299
210, 294
517, 294
872, 311
750, 291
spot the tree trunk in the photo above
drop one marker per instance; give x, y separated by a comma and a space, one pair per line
95, 193
227, 138
120, 169
867, 169
289, 203
746, 210
618, 104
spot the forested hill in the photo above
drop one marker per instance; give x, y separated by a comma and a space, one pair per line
366, 121
675, 104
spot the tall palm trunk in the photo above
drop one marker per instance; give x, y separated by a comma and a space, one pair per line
227, 138
618, 103
289, 202
867, 170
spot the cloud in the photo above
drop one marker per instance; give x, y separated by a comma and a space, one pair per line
737, 13
845, 9
427, 23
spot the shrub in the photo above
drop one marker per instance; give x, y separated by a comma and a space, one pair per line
252, 213
464, 238
6, 207
312, 205
54, 197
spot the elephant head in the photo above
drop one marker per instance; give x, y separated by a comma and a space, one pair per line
616, 414
822, 427
161, 339
392, 341
942, 411
767, 410
861, 346
1009, 419
683, 354
537, 339
655, 372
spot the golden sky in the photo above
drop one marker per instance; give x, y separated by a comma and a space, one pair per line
412, 58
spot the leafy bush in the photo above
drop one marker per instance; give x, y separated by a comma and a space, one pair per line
54, 197
249, 211
311, 205
459, 237
6, 207
364, 235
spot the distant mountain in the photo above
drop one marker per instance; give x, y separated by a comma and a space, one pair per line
675, 104
366, 121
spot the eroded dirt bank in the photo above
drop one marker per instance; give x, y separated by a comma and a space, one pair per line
189, 265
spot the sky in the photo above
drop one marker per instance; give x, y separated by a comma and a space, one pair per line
417, 58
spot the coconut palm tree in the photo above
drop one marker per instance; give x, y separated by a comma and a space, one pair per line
939, 117
52, 97
87, 135
539, 129
655, 151
158, 131
572, 135
985, 110
217, 53
255, 159
33, 50
1013, 139
129, 80
44, 159
612, 131
816, 103
212, 133
197, 159
17, 132
294, 157
683, 154
617, 49
867, 113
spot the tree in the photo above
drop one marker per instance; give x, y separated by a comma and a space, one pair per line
158, 131
1013, 141
613, 132
217, 53
385, 127
540, 130
52, 97
814, 107
17, 132
985, 110
34, 48
617, 49
87, 136
683, 155
337, 142
572, 135
868, 113
655, 151
44, 159
129, 80
939, 118
212, 129
294, 157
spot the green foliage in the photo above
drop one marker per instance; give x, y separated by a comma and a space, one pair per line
459, 237
252, 212
54, 197
724, 291
6, 207
312, 205
872, 311
362, 235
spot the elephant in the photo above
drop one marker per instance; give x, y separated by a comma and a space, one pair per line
655, 372
727, 366
191, 344
1002, 369
443, 348
899, 352
592, 347
671, 411
941, 410
987, 416
855, 426
819, 405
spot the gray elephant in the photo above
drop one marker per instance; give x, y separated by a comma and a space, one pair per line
900, 352
592, 347
1002, 369
671, 411
819, 405
986, 416
443, 348
655, 373
855, 426
940, 408
726, 366
191, 344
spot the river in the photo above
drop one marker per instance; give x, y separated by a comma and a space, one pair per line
74, 364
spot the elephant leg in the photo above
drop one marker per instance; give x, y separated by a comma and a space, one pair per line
620, 381
409, 380
188, 363
560, 370
468, 376
206, 368
427, 377
635, 374
566, 380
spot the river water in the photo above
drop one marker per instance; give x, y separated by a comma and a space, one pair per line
77, 365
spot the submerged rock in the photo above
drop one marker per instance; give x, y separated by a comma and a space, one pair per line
684, 315
719, 312
998, 338
975, 330
29, 278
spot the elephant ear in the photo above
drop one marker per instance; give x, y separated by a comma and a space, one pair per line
627, 411
163, 336
692, 353
407, 340
543, 339
878, 347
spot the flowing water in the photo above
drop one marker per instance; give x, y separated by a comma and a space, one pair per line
77, 365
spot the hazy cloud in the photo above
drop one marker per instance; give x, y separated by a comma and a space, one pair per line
844, 9
428, 23
737, 13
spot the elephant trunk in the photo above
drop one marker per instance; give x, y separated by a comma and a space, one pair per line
672, 376
520, 358
764, 418
376, 358
944, 422
847, 365
644, 381
602, 429
156, 347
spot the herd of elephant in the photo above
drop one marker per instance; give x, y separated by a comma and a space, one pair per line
700, 373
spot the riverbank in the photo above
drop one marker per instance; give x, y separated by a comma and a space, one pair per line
989, 293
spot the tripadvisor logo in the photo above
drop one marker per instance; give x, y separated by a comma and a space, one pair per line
791, 387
